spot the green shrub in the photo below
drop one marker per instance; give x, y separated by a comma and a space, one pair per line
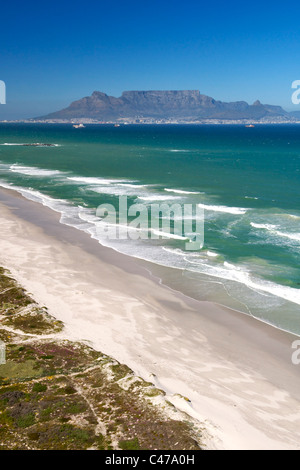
39, 387
26, 420
132, 444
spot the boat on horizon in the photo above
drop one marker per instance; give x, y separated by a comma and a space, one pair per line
78, 126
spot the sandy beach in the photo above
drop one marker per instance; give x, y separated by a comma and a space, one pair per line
236, 371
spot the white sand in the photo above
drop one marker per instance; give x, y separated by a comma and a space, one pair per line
236, 371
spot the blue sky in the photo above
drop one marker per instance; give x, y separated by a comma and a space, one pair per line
52, 53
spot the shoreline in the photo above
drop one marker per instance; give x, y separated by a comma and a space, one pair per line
151, 269
201, 350
204, 122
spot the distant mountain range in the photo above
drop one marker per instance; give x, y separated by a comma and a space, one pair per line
189, 105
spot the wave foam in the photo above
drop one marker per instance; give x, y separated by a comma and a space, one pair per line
212, 254
92, 181
181, 191
234, 273
31, 144
180, 150
169, 235
272, 229
157, 197
33, 171
224, 209
128, 185
263, 226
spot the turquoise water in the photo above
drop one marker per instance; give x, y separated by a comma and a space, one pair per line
245, 179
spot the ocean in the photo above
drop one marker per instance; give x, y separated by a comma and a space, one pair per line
246, 181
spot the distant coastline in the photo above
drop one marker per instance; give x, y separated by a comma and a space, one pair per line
151, 122
166, 106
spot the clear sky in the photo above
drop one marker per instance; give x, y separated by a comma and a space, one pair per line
52, 53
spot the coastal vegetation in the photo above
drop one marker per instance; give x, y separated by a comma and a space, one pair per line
58, 394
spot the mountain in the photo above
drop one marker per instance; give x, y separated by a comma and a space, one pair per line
182, 105
296, 114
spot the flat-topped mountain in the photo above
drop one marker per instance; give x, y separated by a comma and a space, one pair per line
182, 104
